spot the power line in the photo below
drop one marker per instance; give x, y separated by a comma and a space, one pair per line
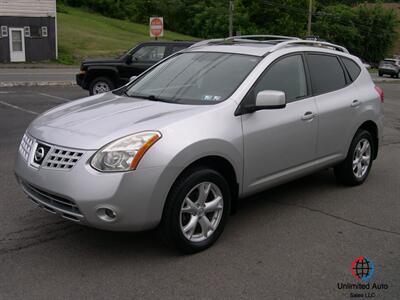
305, 12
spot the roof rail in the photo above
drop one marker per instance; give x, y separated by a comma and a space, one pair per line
206, 42
310, 43
277, 41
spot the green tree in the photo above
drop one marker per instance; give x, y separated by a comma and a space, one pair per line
368, 31
377, 27
337, 24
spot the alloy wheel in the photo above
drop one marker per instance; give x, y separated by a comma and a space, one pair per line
101, 87
361, 158
201, 211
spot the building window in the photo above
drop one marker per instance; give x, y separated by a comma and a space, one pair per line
44, 31
4, 31
27, 31
35, 31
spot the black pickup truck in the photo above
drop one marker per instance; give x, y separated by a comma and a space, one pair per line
103, 75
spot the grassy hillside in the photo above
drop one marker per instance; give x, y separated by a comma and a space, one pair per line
83, 34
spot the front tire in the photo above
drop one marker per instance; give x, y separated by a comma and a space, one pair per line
355, 168
196, 210
101, 85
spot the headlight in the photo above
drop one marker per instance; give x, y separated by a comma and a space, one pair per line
124, 154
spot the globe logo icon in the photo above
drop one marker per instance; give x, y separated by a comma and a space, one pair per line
362, 268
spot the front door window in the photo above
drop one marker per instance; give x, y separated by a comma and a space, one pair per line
16, 36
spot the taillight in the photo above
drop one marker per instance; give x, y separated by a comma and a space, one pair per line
380, 93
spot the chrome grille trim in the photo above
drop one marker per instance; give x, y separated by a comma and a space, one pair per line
26, 146
62, 158
53, 203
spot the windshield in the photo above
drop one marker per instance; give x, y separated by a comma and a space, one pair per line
194, 78
388, 61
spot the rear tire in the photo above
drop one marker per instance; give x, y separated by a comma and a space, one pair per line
193, 220
355, 168
101, 85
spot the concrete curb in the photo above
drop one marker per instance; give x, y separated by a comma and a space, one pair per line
37, 83
387, 81
38, 66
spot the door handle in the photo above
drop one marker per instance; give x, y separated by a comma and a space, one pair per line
355, 103
308, 116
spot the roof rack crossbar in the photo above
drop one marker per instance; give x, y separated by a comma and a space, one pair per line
262, 37
308, 42
247, 39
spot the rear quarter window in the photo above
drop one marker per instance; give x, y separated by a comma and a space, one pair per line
352, 67
326, 73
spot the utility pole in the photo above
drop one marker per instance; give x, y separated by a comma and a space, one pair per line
310, 9
231, 8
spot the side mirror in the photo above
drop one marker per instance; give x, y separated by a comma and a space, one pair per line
268, 99
132, 78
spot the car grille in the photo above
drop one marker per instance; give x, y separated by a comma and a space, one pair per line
25, 146
53, 203
62, 158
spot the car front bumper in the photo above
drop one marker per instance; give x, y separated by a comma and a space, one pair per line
80, 80
79, 194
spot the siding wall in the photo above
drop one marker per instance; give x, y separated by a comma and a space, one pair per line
28, 8
36, 48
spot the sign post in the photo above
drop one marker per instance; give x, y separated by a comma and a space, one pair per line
156, 27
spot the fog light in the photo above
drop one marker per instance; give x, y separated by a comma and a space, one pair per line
106, 214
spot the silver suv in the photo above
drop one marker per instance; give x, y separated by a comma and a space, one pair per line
176, 147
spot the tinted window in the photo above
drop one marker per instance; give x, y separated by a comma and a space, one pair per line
353, 69
326, 73
176, 48
286, 75
149, 53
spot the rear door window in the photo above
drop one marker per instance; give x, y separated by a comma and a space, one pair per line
353, 68
176, 48
149, 53
326, 73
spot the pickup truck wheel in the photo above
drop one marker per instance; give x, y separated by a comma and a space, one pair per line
196, 210
355, 168
101, 85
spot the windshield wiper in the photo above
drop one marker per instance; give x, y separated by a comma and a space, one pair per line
150, 97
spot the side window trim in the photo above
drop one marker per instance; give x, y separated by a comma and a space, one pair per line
347, 71
347, 80
306, 73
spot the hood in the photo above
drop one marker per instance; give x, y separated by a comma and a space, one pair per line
92, 122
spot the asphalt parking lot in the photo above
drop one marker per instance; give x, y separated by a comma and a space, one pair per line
296, 241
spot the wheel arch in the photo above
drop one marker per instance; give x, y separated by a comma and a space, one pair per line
372, 128
218, 163
108, 72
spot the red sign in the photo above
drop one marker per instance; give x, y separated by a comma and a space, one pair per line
156, 26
